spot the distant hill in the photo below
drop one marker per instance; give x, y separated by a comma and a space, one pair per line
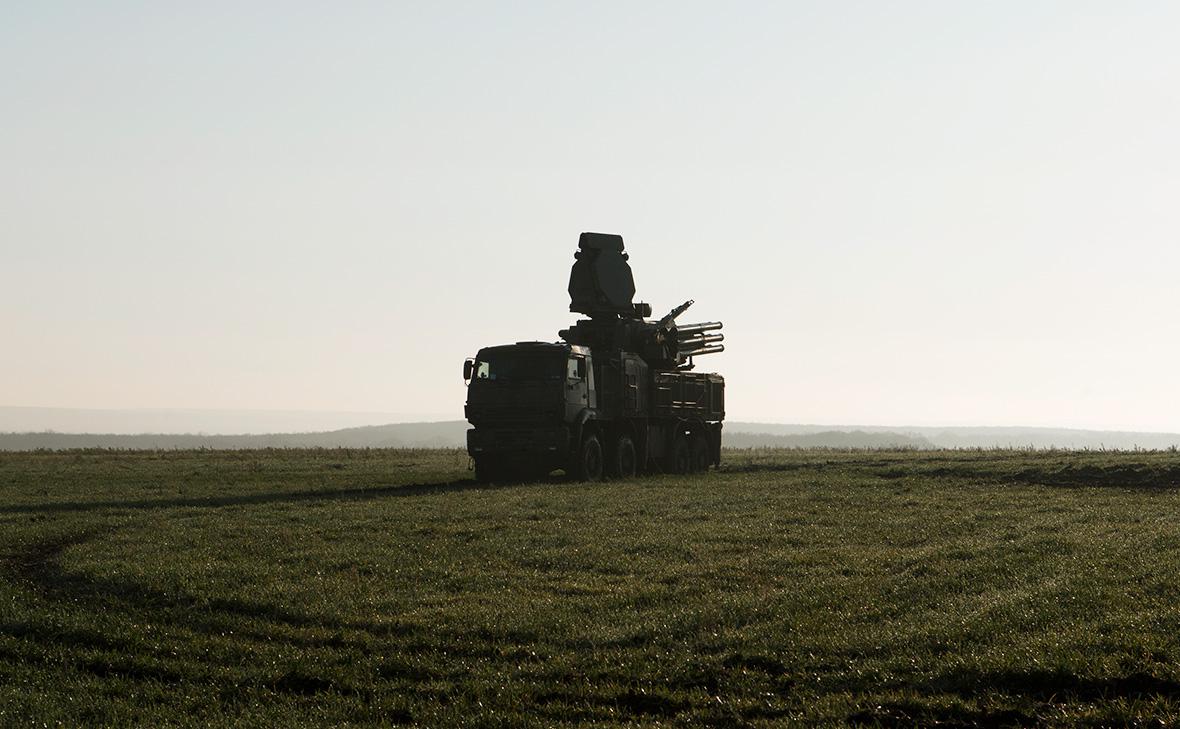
452, 434
447, 434
210, 420
969, 437
824, 439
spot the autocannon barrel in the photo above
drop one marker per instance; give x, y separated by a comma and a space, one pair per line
701, 340
690, 329
712, 349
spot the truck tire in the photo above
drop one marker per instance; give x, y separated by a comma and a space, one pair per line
700, 453
589, 464
623, 459
679, 460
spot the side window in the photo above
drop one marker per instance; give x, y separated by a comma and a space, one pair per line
481, 370
576, 368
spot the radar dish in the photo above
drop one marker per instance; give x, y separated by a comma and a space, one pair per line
601, 283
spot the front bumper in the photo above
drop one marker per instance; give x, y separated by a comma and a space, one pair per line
547, 439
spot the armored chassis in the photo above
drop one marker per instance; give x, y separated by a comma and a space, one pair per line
617, 396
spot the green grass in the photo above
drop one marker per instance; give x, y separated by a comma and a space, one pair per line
385, 587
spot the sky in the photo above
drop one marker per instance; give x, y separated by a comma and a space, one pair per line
923, 213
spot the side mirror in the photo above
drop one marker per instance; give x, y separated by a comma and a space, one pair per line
468, 370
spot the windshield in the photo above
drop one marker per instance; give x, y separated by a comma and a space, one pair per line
520, 368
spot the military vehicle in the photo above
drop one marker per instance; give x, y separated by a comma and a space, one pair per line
615, 397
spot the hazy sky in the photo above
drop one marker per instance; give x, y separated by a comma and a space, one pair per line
905, 213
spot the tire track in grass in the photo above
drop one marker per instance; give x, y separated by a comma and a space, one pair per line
38, 567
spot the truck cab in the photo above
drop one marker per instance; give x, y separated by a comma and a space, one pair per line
527, 403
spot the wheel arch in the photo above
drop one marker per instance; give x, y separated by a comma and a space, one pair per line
586, 422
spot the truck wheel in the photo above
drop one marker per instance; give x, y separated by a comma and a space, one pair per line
700, 453
589, 465
679, 461
623, 461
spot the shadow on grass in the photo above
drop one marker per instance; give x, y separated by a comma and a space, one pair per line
1041, 687
1137, 476
1056, 684
915, 714
362, 493
1130, 476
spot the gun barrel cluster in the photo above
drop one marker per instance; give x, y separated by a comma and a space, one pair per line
692, 339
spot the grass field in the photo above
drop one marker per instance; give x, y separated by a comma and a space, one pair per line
384, 587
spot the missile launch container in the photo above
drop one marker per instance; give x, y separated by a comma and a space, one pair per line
617, 396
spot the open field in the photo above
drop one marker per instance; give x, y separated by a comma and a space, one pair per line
385, 587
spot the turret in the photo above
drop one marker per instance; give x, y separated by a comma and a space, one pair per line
602, 286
